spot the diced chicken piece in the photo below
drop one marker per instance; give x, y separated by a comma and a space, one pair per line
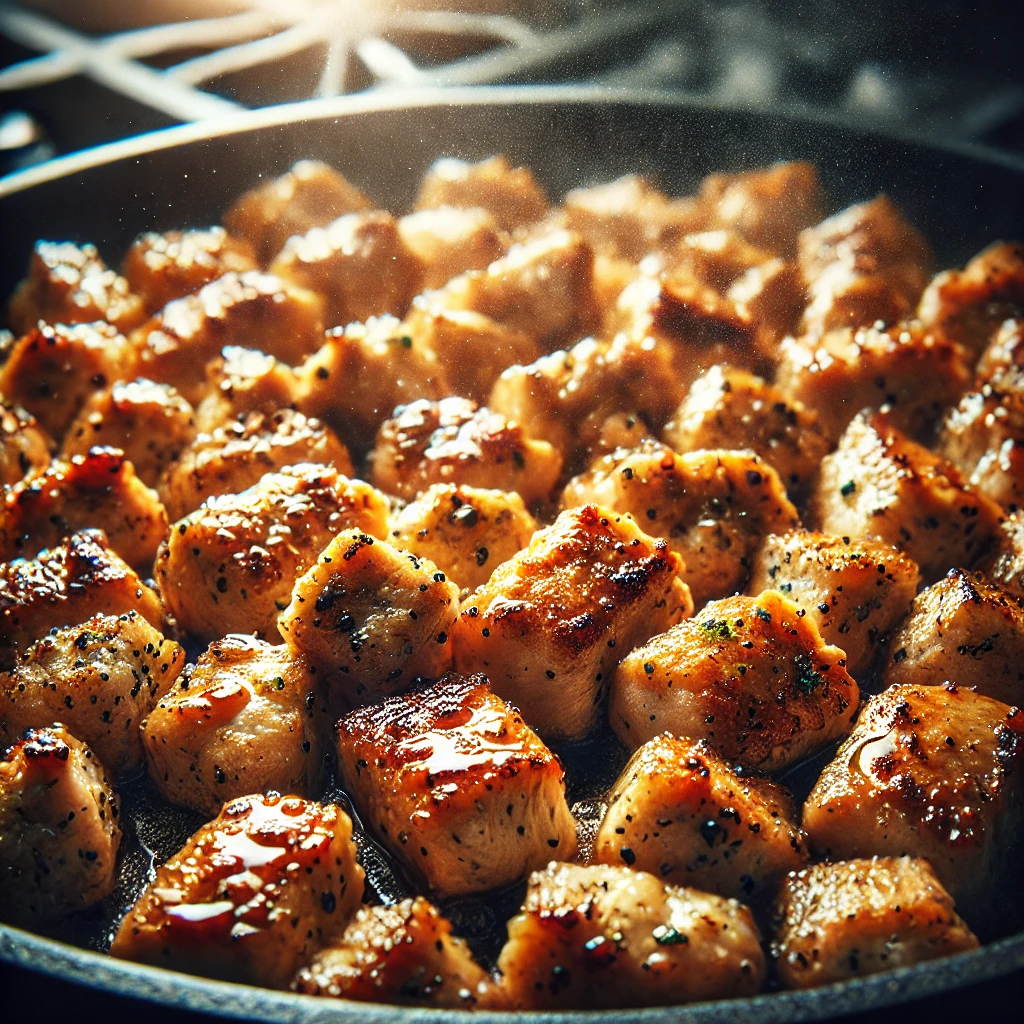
162, 267
244, 381
1004, 352
601, 937
450, 240
731, 408
234, 456
915, 374
67, 584
620, 432
456, 441
70, 284
550, 624
58, 828
51, 371
229, 566
751, 675
860, 917
510, 194
465, 531
251, 896
24, 445
243, 719
880, 485
310, 195
373, 617
855, 592
967, 306
929, 771
1005, 564
964, 629
99, 489
252, 310
456, 785
101, 678
151, 423
715, 258
772, 296
713, 507
402, 954
682, 813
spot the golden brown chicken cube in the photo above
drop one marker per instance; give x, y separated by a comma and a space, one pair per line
510, 194
915, 374
80, 577
310, 195
967, 306
602, 936
772, 296
99, 489
860, 917
881, 485
24, 445
450, 240
967, 630
465, 531
402, 954
372, 617
251, 896
1005, 563
682, 813
100, 677
59, 833
713, 507
1004, 352
243, 719
252, 310
550, 624
70, 284
243, 381
229, 566
715, 258
855, 591
51, 371
731, 408
929, 771
456, 785
456, 441
162, 267
151, 423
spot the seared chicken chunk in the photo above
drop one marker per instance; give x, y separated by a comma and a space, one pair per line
58, 828
680, 812
241, 720
855, 592
51, 371
373, 617
715, 258
509, 194
966, 630
101, 678
456, 441
465, 531
403, 954
751, 675
713, 507
234, 456
600, 937
24, 446
1005, 565
358, 264
731, 408
80, 577
99, 489
859, 917
880, 485
448, 241
163, 267
243, 381
456, 785
551, 624
229, 567
70, 284
251, 896
1004, 352
310, 195
151, 423
929, 771
916, 375
772, 296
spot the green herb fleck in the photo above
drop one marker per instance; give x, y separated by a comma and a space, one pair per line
807, 679
665, 935
848, 488
718, 629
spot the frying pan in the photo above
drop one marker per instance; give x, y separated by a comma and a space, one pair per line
963, 197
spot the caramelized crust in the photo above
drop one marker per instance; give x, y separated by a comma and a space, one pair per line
449, 241
1004, 352
1005, 564
24, 445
